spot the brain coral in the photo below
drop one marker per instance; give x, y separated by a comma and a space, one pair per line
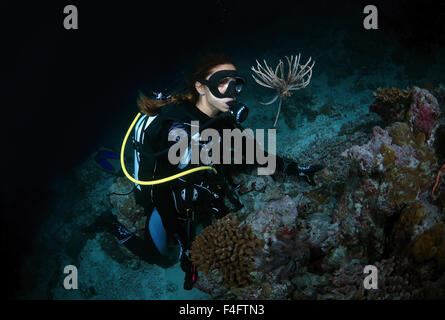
229, 248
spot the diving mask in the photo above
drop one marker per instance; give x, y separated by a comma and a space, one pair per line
225, 84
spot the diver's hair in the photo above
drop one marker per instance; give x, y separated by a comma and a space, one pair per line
203, 68
151, 107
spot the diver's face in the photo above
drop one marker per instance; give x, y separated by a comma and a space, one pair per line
217, 104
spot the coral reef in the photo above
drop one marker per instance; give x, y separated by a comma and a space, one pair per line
229, 248
424, 113
272, 218
405, 163
413, 214
430, 244
439, 92
417, 106
257, 184
127, 211
392, 95
374, 208
287, 255
386, 214
391, 103
366, 155
284, 253
395, 281
396, 146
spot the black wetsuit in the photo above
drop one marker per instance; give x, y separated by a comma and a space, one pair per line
174, 116
164, 197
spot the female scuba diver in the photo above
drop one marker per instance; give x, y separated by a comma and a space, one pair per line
174, 207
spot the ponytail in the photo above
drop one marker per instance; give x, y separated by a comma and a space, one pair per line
152, 107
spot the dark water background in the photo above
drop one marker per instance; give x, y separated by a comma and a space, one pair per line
67, 88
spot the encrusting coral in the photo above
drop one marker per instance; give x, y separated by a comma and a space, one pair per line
431, 244
391, 103
416, 106
286, 255
125, 208
424, 113
413, 214
229, 248
403, 160
392, 95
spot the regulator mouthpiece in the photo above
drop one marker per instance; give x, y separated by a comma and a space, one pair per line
238, 111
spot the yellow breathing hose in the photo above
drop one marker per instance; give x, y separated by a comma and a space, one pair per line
149, 183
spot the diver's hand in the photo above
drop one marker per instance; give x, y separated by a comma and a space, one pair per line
210, 199
306, 172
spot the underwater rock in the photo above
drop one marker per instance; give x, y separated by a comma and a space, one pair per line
394, 146
88, 292
338, 257
260, 184
273, 217
403, 162
284, 257
431, 216
253, 184
211, 283
360, 227
320, 230
424, 113
394, 282
273, 194
430, 244
413, 214
307, 285
391, 103
366, 156
110, 246
134, 264
439, 93
391, 199
128, 212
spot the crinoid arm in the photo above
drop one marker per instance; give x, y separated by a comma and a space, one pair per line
278, 112
271, 101
298, 77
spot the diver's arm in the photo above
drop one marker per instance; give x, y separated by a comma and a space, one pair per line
290, 167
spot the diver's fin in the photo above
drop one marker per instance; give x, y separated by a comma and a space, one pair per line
108, 160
